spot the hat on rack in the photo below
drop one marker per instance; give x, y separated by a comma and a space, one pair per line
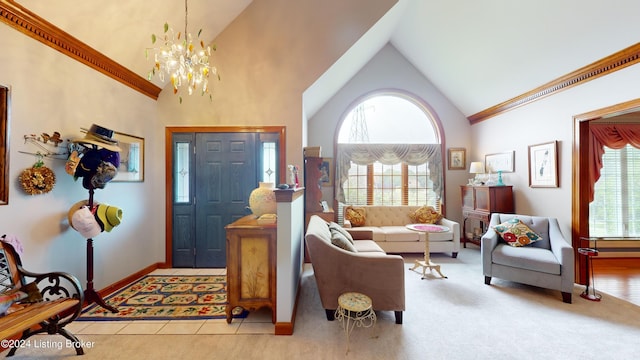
97, 168
110, 156
108, 216
104, 173
72, 163
99, 136
88, 164
82, 219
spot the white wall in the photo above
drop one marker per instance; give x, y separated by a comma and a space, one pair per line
390, 70
547, 120
51, 92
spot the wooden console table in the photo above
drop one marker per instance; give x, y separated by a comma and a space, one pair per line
479, 202
251, 266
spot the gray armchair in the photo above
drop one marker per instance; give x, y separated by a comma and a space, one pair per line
548, 263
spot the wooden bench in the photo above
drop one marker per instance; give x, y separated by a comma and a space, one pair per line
62, 303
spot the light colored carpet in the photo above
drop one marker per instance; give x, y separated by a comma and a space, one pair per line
455, 318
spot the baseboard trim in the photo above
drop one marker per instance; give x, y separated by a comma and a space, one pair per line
286, 328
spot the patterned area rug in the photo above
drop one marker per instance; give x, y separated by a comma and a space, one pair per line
164, 297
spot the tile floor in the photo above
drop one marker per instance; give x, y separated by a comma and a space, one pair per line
258, 322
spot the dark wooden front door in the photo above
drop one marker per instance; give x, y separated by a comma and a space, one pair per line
219, 179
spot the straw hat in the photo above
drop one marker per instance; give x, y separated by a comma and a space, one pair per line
99, 136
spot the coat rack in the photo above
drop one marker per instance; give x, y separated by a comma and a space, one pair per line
90, 294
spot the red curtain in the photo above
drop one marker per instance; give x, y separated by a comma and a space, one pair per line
614, 136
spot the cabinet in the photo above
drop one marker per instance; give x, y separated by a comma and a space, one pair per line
313, 191
313, 194
312, 186
251, 266
479, 202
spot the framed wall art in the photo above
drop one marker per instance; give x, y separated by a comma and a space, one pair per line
4, 144
131, 167
326, 172
499, 162
543, 165
457, 159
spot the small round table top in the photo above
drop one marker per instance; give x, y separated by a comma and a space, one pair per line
431, 228
354, 301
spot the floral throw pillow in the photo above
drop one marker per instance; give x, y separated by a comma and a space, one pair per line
516, 233
425, 215
356, 215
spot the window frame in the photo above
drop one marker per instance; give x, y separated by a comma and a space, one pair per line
624, 188
434, 123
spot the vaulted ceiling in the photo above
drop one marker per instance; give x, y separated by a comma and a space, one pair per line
478, 53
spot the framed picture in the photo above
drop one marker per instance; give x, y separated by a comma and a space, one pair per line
5, 102
131, 167
543, 165
457, 159
326, 172
499, 162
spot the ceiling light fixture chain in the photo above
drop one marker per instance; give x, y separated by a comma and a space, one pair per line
177, 57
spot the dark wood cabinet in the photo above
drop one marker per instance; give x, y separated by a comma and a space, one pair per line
313, 194
251, 266
479, 202
312, 186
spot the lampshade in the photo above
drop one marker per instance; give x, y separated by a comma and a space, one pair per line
477, 167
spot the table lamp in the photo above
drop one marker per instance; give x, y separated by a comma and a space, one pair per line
477, 167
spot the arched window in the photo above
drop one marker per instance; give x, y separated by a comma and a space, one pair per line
389, 153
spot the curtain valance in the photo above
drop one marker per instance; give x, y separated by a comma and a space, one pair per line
614, 136
389, 154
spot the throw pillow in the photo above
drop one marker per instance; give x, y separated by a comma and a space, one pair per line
425, 215
356, 215
341, 241
335, 227
516, 233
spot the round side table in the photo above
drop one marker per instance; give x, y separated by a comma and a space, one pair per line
426, 263
357, 309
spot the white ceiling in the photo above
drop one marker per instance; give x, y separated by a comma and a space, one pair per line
478, 53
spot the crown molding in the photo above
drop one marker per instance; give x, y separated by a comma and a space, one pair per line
32, 25
617, 61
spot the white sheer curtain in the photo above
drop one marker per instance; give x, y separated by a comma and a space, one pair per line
388, 154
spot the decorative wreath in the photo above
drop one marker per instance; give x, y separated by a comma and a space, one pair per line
37, 180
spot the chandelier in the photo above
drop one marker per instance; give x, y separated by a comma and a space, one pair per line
185, 64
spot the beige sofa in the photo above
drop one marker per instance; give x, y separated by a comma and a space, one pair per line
367, 270
387, 224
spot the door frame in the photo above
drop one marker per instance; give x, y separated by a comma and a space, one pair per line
580, 171
170, 130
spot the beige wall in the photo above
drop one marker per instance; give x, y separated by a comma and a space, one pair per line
267, 57
547, 120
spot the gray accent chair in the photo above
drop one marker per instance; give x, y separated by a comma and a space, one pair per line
548, 263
